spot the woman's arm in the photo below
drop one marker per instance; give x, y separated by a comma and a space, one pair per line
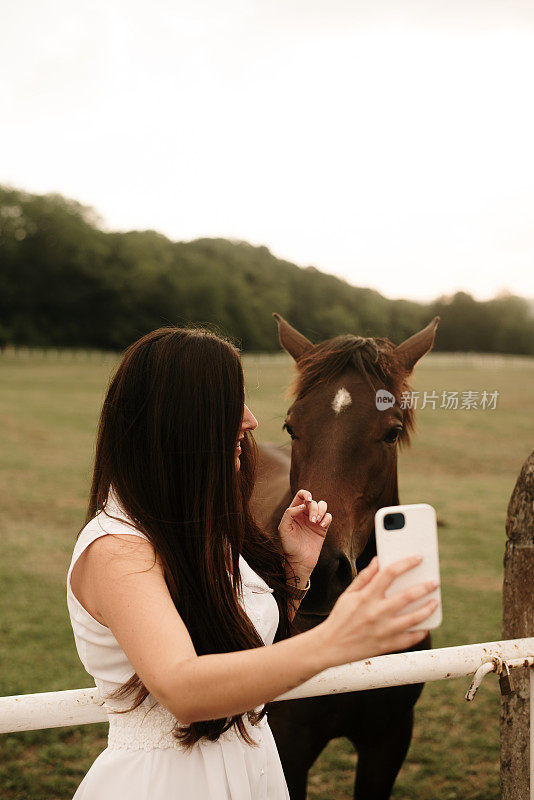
362, 624
134, 601
224, 684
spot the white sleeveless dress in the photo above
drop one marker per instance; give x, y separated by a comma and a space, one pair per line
142, 760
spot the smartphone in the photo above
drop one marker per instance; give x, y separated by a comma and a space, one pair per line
409, 530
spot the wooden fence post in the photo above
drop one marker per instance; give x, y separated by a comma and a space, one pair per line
518, 622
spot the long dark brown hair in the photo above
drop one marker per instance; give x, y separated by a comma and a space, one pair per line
166, 445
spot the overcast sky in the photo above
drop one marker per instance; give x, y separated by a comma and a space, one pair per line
389, 142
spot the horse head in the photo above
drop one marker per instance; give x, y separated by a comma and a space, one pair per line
345, 439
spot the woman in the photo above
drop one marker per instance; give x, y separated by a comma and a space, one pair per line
179, 606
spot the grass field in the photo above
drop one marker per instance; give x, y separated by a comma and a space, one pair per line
465, 463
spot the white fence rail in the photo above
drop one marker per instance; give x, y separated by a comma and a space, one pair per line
404, 668
25, 712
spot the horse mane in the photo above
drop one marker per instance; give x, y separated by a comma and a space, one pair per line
370, 357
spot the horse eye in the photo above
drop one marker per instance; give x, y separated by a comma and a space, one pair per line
392, 435
289, 429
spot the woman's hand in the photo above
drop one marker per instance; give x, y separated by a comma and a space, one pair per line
364, 623
303, 530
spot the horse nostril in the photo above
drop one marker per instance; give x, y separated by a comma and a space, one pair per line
332, 575
343, 570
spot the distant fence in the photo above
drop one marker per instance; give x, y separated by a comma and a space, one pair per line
480, 360
73, 354
433, 359
20, 353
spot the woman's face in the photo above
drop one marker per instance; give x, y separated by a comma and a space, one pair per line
248, 423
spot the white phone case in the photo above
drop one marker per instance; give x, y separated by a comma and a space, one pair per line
419, 536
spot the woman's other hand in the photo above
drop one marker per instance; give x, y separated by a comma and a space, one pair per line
302, 531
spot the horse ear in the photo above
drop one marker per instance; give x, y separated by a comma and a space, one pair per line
291, 340
411, 350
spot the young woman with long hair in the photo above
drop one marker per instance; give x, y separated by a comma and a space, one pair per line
180, 602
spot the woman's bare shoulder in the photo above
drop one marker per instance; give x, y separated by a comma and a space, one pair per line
126, 544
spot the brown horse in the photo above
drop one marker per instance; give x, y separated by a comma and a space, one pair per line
344, 450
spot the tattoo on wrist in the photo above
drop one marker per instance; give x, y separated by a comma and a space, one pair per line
295, 579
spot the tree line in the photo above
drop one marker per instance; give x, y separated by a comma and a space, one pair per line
65, 282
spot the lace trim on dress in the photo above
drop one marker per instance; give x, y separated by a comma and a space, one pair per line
149, 727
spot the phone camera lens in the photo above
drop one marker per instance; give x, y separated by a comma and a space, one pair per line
394, 522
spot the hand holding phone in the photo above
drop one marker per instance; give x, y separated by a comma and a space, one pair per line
409, 530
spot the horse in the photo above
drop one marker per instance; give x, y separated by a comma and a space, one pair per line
344, 443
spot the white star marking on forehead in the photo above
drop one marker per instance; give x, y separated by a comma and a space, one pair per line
341, 400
